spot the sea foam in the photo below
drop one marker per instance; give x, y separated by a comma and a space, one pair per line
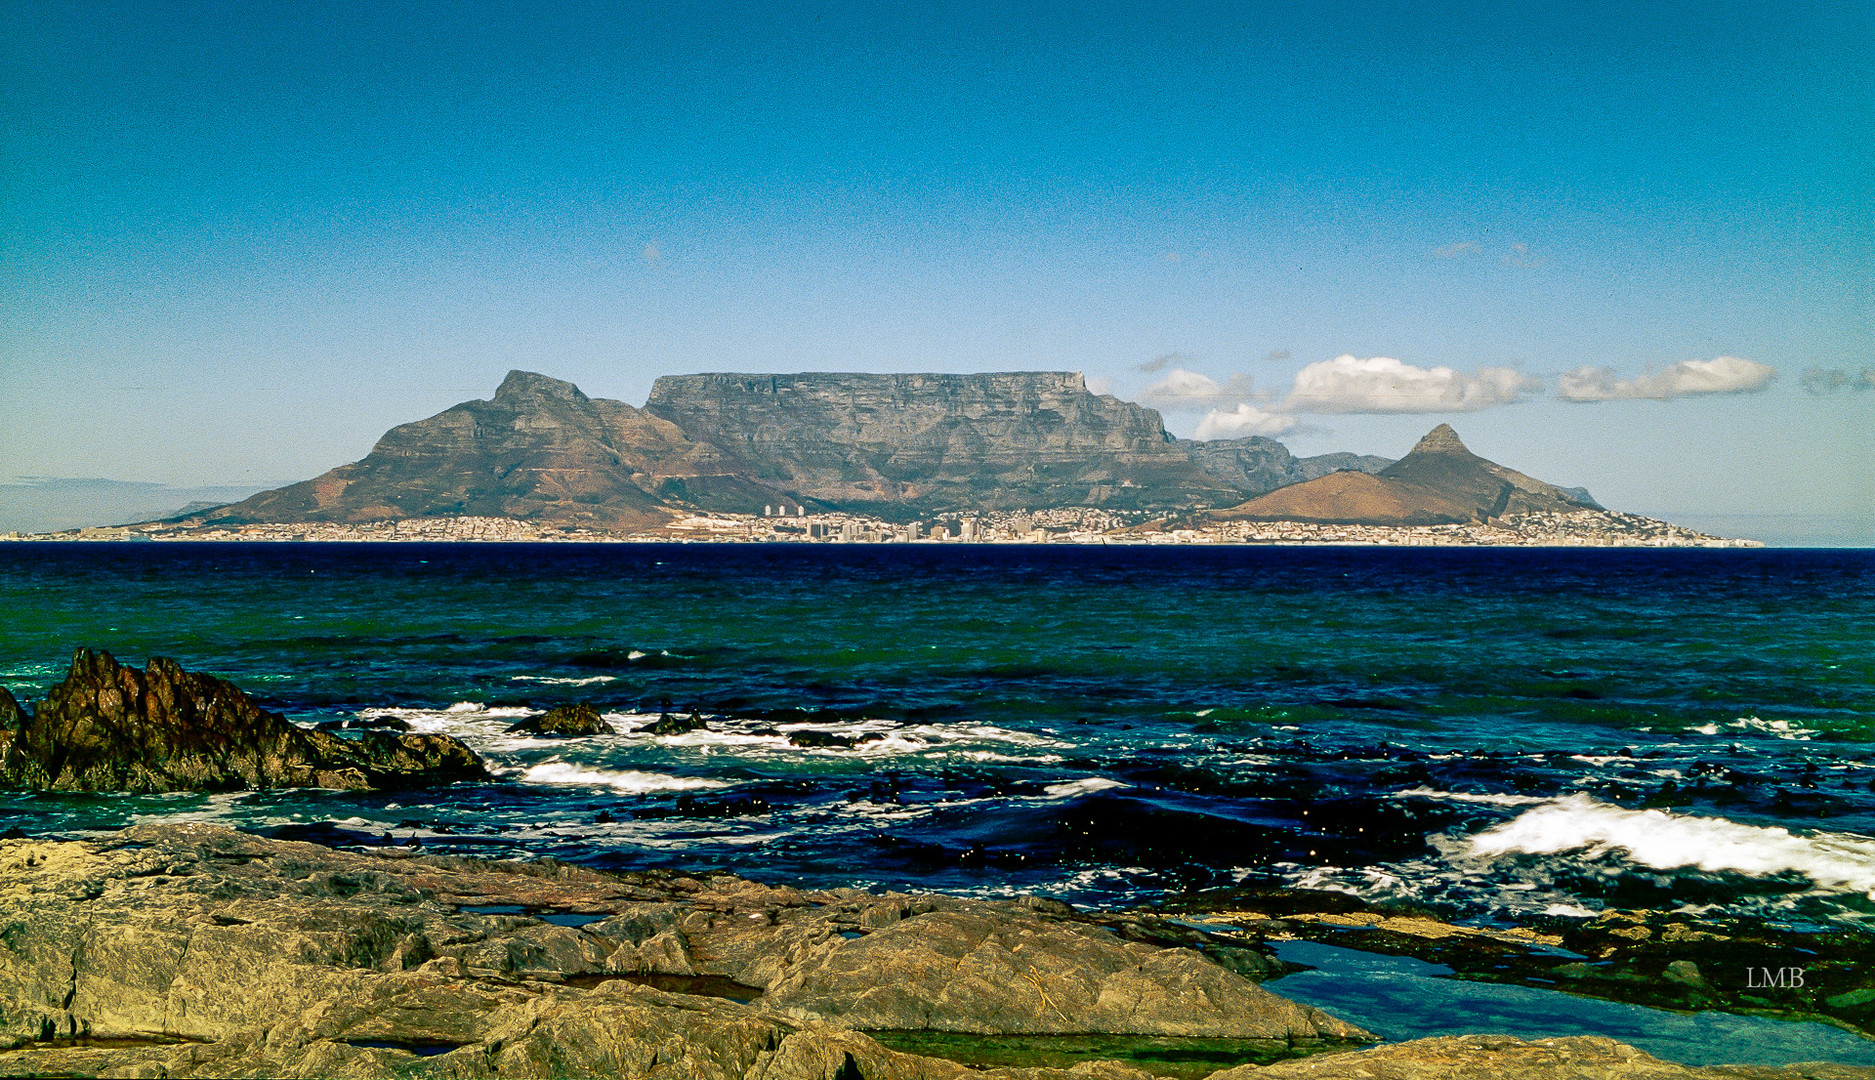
631, 780
1667, 841
1468, 797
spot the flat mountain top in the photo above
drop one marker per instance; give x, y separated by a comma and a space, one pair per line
896, 446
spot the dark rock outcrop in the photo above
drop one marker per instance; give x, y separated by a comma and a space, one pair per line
576, 720
111, 728
674, 724
1439, 483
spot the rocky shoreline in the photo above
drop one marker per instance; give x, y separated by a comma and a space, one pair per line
194, 950
188, 949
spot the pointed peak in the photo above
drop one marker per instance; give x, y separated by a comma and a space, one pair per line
1441, 440
529, 384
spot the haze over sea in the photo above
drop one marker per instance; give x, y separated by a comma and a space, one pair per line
1496, 733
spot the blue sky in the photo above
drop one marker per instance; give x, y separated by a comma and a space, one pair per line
241, 241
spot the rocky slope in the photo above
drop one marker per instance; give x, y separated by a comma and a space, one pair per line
193, 950
897, 445
1439, 482
1255, 464
111, 728
540, 450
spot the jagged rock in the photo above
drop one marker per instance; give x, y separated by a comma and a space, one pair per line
574, 720
111, 728
284, 958
809, 738
1500, 1057
364, 723
674, 724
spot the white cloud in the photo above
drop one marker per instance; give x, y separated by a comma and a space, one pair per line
1181, 389
1382, 384
1245, 419
1721, 375
1099, 385
1456, 250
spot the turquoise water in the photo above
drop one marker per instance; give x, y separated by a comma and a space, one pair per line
1397, 997
1495, 733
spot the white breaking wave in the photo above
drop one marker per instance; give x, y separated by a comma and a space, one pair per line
1073, 788
1783, 729
1666, 841
560, 772
1465, 796
550, 680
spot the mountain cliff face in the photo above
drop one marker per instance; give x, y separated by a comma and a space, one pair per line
1439, 482
540, 450
897, 445
1256, 464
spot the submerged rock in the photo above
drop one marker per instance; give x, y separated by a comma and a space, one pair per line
364, 723
1501, 1057
808, 738
674, 724
576, 720
111, 728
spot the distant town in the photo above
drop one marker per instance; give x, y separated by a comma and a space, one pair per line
1058, 525
855, 458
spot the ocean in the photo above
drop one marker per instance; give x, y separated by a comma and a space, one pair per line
1494, 734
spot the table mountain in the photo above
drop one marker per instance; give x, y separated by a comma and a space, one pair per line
895, 446
899, 445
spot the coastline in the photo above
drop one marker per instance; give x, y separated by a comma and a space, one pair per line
211, 952
1587, 528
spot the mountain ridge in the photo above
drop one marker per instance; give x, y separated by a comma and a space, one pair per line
1439, 482
896, 446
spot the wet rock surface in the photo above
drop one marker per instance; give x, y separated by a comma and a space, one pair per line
576, 720
1665, 959
107, 727
1487, 1057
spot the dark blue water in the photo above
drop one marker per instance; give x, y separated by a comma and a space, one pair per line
1494, 732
